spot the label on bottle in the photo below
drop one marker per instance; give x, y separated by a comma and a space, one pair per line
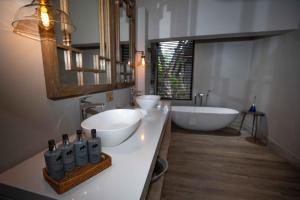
54, 164
81, 155
94, 146
68, 156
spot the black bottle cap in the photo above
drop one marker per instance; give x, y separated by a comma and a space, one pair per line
79, 135
51, 144
79, 132
93, 132
65, 137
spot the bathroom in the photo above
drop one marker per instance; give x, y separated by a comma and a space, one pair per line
244, 52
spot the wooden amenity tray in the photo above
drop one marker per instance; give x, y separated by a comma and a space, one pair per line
78, 175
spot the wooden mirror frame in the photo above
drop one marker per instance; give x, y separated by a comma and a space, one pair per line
57, 90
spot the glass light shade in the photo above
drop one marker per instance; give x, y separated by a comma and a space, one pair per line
35, 16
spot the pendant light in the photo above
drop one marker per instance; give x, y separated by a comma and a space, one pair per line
40, 15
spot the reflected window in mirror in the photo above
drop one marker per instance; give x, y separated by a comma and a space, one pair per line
123, 56
85, 52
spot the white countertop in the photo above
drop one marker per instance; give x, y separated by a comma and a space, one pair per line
125, 179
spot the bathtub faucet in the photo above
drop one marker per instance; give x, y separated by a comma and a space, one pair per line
200, 96
206, 98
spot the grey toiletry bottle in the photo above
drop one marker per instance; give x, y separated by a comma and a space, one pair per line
54, 161
81, 150
94, 146
68, 153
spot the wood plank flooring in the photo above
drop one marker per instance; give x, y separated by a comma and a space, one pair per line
224, 165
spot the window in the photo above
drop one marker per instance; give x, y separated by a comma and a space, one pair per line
173, 66
125, 53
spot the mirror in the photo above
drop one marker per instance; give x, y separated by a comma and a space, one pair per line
84, 56
123, 59
125, 71
96, 57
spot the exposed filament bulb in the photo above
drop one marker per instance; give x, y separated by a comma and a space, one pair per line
143, 60
45, 17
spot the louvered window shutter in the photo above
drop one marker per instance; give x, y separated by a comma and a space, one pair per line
174, 69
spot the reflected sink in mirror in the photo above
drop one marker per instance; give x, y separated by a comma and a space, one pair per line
113, 126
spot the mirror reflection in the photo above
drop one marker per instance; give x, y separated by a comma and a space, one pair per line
84, 55
124, 70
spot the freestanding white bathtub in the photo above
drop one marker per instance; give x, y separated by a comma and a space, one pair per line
203, 118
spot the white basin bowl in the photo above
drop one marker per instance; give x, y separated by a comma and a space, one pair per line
113, 126
147, 101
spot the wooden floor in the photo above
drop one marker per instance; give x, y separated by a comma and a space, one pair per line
225, 165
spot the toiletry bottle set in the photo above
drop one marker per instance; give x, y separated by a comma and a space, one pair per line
68, 155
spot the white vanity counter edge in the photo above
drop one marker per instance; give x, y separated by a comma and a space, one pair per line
127, 178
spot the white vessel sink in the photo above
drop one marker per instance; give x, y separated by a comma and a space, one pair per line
113, 126
147, 101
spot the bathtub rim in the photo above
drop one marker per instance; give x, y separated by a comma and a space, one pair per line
233, 111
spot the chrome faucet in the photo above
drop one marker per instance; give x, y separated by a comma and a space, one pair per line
200, 96
207, 95
87, 107
134, 93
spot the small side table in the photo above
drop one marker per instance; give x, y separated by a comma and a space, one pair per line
255, 115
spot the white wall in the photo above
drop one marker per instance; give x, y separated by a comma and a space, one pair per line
274, 79
178, 18
28, 119
223, 68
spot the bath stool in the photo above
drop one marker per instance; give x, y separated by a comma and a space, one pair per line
255, 115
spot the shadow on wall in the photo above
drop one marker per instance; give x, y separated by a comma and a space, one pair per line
165, 23
276, 84
177, 18
222, 77
223, 67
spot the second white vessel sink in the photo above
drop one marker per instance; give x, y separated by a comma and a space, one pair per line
147, 102
113, 126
